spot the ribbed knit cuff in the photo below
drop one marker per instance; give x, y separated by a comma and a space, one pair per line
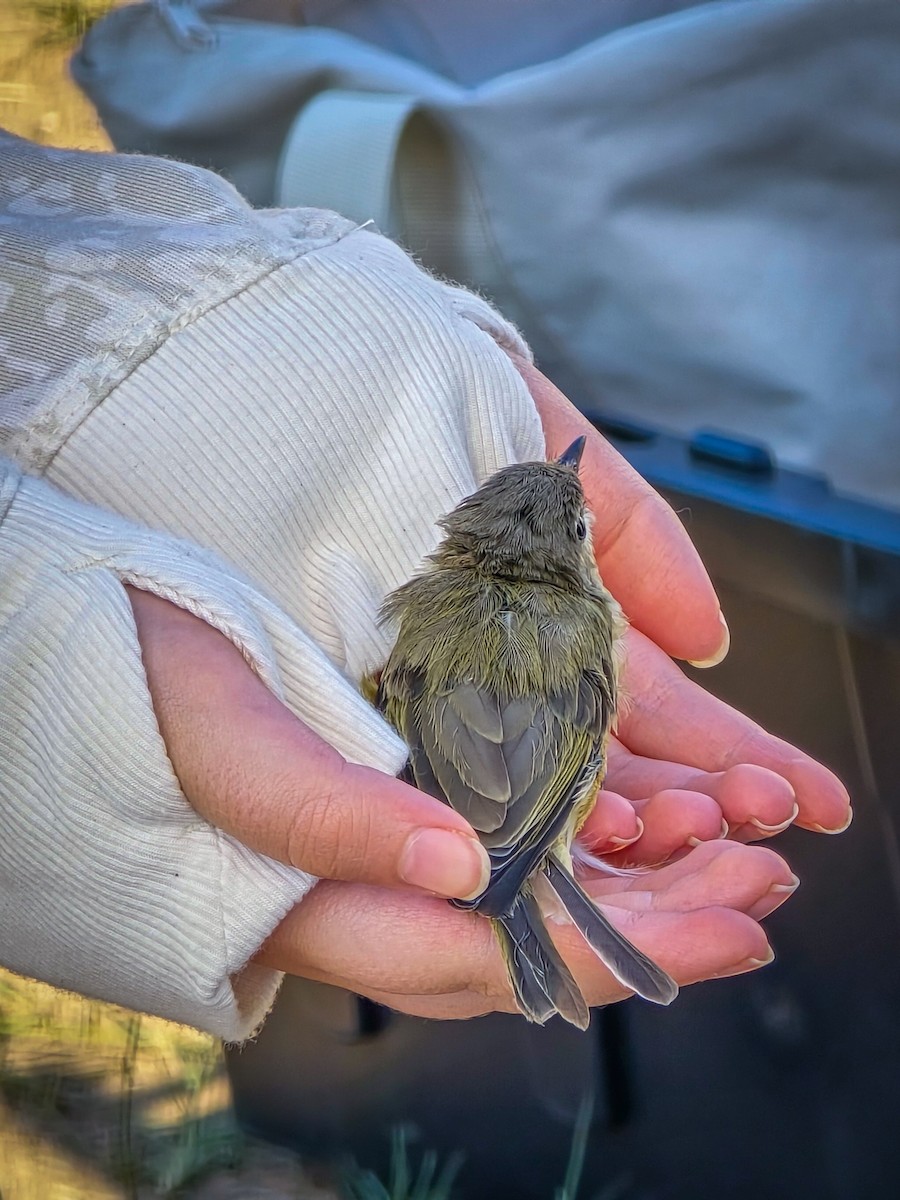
110, 884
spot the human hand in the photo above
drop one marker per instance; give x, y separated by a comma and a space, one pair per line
422, 406
282, 791
330, 535
251, 768
684, 767
697, 918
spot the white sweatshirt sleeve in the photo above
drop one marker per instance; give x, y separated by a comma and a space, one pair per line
110, 884
312, 430
282, 388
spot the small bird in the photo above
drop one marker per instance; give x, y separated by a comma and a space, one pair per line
503, 683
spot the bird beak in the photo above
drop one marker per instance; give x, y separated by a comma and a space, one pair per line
572, 456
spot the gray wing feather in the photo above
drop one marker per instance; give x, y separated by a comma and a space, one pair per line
478, 709
524, 757
590, 705
485, 754
493, 761
478, 759
483, 812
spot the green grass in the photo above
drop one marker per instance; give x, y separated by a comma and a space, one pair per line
429, 1182
405, 1183
577, 1151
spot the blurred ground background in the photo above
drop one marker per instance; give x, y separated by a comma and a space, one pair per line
37, 98
97, 1103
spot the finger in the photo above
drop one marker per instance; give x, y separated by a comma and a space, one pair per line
376, 941
753, 880
670, 821
612, 824
251, 768
708, 963
690, 944
754, 802
670, 717
675, 820
371, 939
710, 943
456, 1006
646, 558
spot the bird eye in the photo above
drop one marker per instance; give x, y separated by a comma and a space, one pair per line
581, 531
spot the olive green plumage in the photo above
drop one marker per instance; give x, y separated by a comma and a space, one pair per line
503, 683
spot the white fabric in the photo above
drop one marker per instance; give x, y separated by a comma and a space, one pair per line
102, 259
358, 180
109, 883
689, 208
309, 427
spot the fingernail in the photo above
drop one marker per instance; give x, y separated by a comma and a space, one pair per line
749, 964
724, 647
621, 843
753, 963
781, 826
695, 841
786, 887
840, 829
447, 863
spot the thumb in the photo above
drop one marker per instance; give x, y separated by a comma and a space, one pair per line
250, 767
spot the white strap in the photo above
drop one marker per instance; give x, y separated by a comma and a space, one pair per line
340, 154
375, 156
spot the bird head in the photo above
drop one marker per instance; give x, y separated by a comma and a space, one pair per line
528, 521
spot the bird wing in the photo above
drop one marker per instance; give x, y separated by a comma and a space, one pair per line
514, 766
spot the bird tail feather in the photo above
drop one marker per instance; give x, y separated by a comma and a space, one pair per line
542, 982
632, 968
